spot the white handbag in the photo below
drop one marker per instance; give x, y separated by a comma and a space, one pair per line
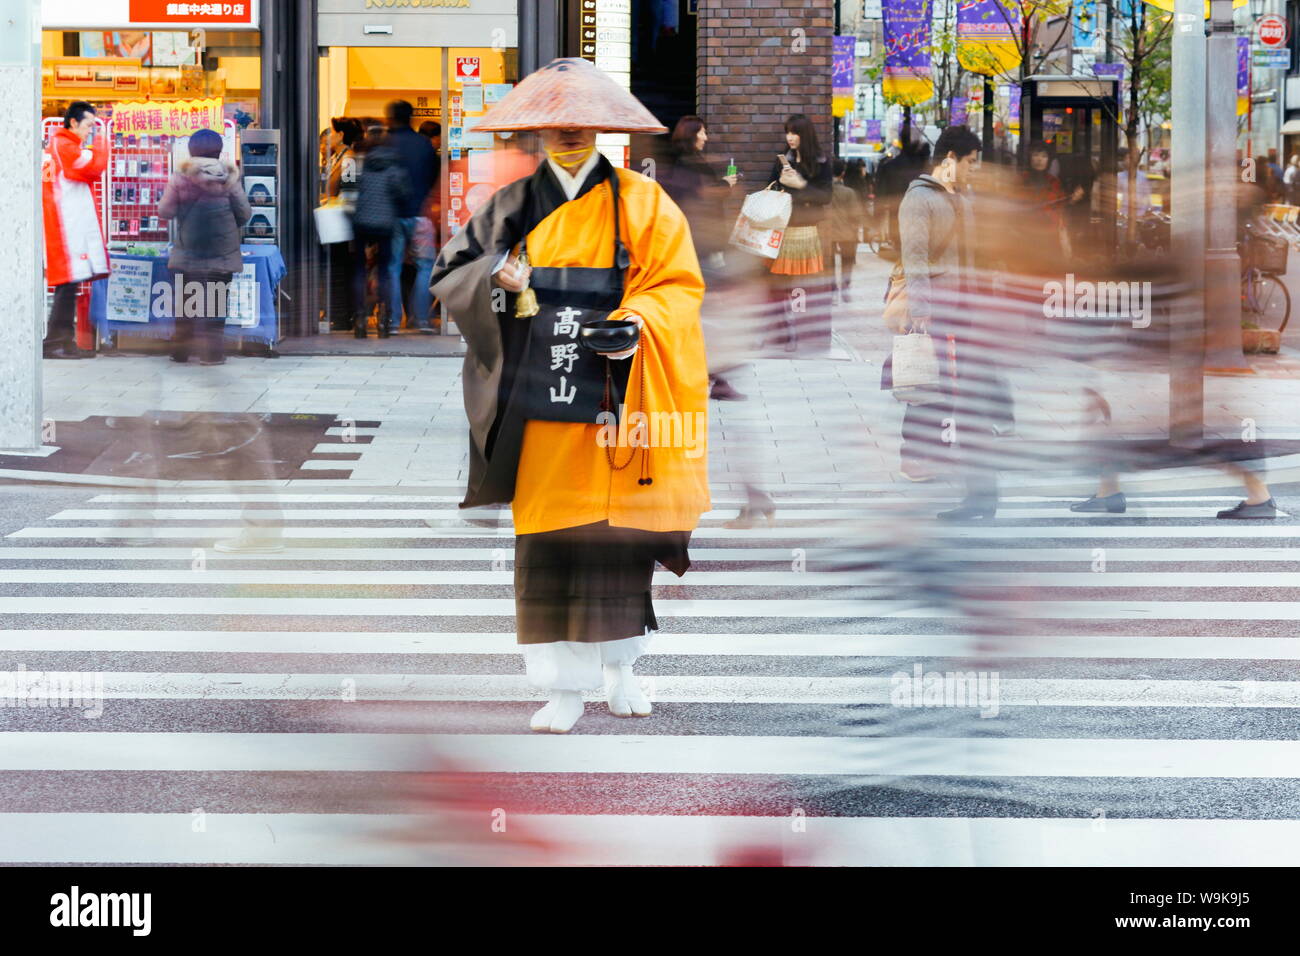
915, 367
761, 224
333, 222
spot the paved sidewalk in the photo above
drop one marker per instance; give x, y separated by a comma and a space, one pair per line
807, 424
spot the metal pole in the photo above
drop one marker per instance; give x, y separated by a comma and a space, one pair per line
527, 11
21, 319
1110, 33
1187, 188
986, 154
1222, 264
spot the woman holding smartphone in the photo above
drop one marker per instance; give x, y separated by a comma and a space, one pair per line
805, 172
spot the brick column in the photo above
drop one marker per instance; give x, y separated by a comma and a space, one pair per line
758, 62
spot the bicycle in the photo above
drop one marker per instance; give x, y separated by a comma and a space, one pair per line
1265, 301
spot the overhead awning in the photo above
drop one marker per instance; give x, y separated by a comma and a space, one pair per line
1291, 128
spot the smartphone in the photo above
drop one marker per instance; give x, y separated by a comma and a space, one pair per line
785, 161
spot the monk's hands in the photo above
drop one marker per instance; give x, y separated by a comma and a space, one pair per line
513, 276
628, 353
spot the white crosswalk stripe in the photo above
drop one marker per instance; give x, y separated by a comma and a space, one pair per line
825, 661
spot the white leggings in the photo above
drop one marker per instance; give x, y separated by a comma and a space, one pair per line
571, 665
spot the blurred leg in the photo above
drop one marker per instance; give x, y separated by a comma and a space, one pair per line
421, 297
62, 329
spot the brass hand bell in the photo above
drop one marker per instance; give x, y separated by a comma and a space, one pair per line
526, 305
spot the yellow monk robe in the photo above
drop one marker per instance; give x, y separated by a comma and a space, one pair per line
564, 477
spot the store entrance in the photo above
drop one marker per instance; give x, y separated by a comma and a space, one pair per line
1077, 118
449, 89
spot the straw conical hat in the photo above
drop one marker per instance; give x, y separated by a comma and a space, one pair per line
570, 94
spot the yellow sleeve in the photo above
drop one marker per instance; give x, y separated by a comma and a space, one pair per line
665, 288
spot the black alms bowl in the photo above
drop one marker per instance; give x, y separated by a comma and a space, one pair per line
609, 335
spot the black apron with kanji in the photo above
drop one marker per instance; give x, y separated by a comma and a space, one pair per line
558, 379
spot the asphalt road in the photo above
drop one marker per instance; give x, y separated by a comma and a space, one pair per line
1137, 711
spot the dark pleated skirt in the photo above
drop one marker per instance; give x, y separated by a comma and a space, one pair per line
591, 583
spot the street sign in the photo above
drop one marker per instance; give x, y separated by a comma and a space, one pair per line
1271, 31
467, 69
1271, 59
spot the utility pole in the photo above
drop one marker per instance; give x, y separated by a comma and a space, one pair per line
1222, 264
987, 154
22, 286
1187, 187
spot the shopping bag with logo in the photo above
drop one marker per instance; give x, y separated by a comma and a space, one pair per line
914, 368
761, 224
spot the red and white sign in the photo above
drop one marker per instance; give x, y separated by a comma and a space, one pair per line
122, 14
163, 11
1272, 31
467, 70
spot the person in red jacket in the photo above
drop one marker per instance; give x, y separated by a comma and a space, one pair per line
74, 243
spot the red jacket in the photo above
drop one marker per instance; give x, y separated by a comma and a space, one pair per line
74, 242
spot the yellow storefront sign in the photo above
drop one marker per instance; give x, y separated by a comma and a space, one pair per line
172, 118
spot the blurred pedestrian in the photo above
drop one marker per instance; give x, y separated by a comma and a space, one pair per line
1291, 180
423, 252
74, 242
799, 284
424, 246
419, 161
701, 193
341, 183
209, 207
896, 174
1044, 240
846, 221
382, 195
938, 235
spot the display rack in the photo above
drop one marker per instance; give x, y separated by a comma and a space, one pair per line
259, 153
138, 171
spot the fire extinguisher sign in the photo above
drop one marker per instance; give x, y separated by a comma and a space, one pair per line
467, 70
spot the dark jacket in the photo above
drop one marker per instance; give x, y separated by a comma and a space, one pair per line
811, 203
692, 182
896, 174
383, 191
937, 228
208, 204
420, 160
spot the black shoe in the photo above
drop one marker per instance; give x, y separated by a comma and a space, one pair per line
722, 391
62, 353
971, 508
86, 353
359, 327
1265, 509
384, 331
215, 361
1115, 504
180, 357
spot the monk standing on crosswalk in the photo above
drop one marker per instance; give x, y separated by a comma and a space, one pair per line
578, 292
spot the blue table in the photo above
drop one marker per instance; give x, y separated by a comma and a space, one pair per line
268, 268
